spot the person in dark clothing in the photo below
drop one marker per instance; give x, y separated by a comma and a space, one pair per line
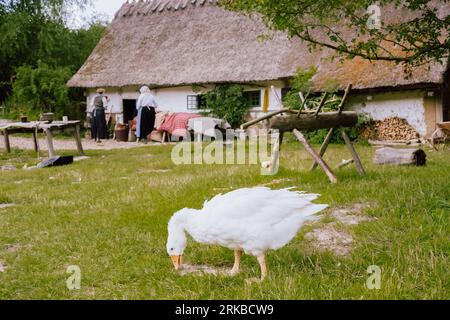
99, 128
146, 113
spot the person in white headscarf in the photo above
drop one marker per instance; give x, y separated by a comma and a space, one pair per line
146, 111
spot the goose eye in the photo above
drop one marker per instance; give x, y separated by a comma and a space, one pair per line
171, 249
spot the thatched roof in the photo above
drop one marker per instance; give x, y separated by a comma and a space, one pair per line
180, 42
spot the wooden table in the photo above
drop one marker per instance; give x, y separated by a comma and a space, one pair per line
46, 128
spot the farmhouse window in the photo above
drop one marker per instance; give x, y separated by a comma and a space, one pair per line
195, 102
253, 98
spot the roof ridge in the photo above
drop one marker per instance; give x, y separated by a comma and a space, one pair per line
146, 7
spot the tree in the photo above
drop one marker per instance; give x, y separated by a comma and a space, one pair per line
35, 30
419, 34
42, 89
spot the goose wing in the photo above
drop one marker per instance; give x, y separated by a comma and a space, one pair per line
254, 220
256, 204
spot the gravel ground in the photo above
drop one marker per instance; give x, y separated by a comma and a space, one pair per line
66, 144
59, 144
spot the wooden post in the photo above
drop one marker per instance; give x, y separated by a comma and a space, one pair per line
49, 138
280, 139
321, 104
77, 137
267, 116
315, 156
324, 147
344, 99
355, 156
303, 100
6, 140
35, 142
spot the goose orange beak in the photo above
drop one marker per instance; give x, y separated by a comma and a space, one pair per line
176, 260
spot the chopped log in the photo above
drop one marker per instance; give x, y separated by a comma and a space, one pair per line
310, 121
395, 156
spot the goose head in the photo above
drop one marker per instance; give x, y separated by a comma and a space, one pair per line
177, 241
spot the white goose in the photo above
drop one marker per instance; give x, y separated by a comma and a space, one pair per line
246, 220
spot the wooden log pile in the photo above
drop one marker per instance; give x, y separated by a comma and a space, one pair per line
390, 129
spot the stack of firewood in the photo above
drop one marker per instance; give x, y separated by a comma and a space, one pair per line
390, 129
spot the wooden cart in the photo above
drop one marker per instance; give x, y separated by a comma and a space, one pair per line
442, 133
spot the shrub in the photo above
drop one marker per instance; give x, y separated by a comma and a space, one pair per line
42, 89
227, 102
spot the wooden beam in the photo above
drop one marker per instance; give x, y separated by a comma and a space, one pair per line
309, 121
324, 147
321, 104
303, 100
344, 99
345, 163
315, 156
355, 155
265, 117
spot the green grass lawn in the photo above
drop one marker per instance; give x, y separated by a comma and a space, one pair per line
109, 215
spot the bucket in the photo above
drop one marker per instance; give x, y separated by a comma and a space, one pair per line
121, 135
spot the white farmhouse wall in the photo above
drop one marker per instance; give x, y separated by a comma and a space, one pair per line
403, 104
409, 105
175, 99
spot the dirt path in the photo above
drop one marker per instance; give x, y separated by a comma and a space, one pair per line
27, 144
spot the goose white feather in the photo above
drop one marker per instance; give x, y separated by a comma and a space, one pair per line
253, 220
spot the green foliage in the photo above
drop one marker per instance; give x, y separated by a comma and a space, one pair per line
419, 32
42, 89
303, 82
33, 31
227, 102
